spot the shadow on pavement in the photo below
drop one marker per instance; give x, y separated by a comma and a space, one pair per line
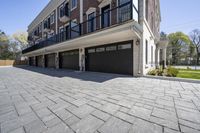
86, 76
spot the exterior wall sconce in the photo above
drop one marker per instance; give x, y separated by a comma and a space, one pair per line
138, 42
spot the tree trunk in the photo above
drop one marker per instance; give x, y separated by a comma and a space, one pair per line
197, 49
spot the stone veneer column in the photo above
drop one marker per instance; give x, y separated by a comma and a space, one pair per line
157, 57
164, 56
82, 59
43, 61
57, 60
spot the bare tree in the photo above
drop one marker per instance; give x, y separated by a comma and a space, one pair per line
195, 37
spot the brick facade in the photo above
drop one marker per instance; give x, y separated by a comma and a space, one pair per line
153, 17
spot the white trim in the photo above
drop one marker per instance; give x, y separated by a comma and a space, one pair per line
81, 11
51, 6
75, 6
56, 18
52, 15
91, 10
105, 3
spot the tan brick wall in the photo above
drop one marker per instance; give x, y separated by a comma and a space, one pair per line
12, 62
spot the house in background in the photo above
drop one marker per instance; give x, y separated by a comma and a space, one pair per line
112, 36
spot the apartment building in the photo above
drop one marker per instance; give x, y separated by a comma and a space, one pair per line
111, 36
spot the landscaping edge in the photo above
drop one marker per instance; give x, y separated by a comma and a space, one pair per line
174, 79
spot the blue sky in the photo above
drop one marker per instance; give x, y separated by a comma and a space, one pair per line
180, 15
177, 15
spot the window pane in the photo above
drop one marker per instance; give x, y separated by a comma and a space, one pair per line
91, 22
111, 48
91, 51
100, 49
125, 46
146, 52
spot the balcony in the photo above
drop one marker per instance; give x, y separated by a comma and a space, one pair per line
47, 29
64, 18
64, 14
47, 26
117, 16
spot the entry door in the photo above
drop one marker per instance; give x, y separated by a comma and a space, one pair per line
91, 22
67, 32
105, 17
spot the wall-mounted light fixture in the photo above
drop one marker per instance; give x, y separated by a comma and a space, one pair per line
138, 42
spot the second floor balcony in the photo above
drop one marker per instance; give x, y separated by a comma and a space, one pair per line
109, 18
64, 13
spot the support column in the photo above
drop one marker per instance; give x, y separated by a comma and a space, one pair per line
34, 60
57, 60
56, 20
157, 57
43, 61
164, 56
82, 59
81, 11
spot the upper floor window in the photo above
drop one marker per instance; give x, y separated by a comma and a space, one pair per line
91, 22
146, 51
152, 22
47, 24
147, 9
52, 18
64, 10
40, 27
73, 4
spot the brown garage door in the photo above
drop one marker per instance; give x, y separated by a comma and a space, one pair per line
31, 61
39, 61
69, 59
50, 60
114, 58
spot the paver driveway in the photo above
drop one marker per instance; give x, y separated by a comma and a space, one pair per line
35, 100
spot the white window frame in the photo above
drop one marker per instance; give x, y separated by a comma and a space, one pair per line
110, 14
95, 21
52, 18
40, 27
61, 6
72, 8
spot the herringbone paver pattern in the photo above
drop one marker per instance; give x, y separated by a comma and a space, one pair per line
36, 100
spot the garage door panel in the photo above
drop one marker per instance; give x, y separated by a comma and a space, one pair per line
31, 61
50, 61
116, 59
69, 60
39, 61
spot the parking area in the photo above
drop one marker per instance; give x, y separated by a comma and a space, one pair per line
37, 100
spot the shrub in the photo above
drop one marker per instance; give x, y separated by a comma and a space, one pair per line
152, 72
156, 72
159, 72
172, 72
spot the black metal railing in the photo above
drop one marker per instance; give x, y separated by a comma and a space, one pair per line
115, 16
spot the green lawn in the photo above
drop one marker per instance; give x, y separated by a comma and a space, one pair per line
192, 74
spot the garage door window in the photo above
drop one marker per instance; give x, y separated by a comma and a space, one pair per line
111, 48
125, 46
91, 50
100, 49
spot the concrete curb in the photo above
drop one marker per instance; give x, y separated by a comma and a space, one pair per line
12, 66
5, 66
174, 79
